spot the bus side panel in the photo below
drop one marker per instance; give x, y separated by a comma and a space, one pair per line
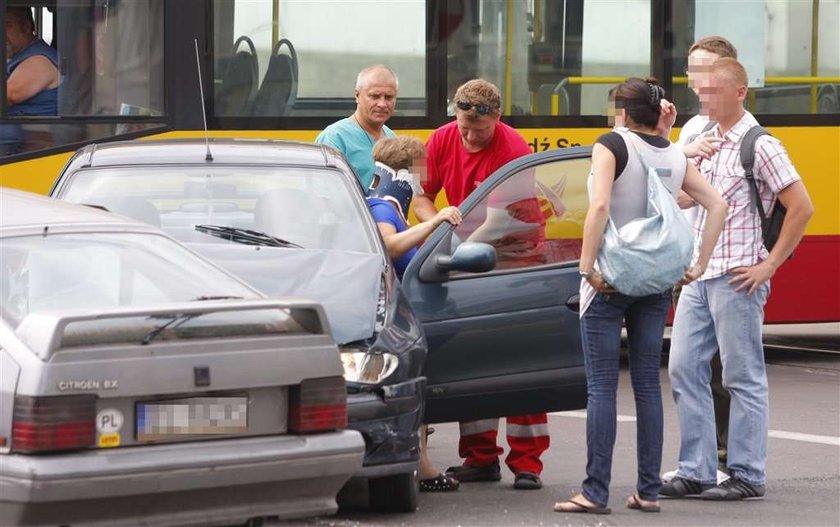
806, 288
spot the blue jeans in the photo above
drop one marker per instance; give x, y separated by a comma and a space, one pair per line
600, 329
711, 315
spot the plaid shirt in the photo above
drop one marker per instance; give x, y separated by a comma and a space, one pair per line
741, 244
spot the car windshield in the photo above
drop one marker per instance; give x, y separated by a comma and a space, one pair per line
57, 272
309, 208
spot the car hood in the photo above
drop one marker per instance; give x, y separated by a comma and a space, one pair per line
345, 283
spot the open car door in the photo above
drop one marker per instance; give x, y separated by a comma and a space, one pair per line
506, 341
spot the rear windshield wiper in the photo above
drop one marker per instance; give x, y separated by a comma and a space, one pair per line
174, 322
246, 236
219, 297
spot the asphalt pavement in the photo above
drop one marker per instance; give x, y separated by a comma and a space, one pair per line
803, 473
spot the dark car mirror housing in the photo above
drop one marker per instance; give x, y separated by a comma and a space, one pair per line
470, 257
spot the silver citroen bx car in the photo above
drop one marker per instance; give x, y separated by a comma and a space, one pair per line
141, 384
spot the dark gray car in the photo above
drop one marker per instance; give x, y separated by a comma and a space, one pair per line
499, 317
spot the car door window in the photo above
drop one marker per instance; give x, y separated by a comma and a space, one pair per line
532, 218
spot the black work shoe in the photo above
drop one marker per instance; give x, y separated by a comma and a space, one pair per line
527, 481
679, 487
466, 473
734, 489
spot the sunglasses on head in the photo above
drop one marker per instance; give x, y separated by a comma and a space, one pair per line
480, 109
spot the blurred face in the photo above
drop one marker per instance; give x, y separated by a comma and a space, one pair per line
615, 116
723, 96
699, 68
418, 169
17, 36
478, 132
376, 101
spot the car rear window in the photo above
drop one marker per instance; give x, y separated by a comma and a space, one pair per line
57, 272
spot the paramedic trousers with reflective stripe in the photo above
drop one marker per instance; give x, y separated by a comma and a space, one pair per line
527, 436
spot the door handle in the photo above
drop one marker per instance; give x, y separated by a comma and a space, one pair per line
573, 302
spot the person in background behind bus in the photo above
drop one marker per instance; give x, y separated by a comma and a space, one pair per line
724, 309
31, 75
698, 146
399, 164
461, 155
354, 136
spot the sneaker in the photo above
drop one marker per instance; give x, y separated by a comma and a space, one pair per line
527, 481
734, 489
669, 476
679, 487
466, 473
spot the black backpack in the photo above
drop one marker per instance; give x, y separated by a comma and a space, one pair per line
772, 226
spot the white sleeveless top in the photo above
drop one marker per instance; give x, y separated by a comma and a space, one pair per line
628, 199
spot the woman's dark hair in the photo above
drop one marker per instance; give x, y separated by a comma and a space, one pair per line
640, 100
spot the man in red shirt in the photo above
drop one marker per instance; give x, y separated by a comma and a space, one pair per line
460, 155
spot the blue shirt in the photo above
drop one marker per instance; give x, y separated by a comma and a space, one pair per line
44, 102
350, 139
384, 212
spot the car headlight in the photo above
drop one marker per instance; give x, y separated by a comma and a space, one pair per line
368, 368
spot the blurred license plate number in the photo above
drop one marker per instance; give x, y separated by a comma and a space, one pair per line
193, 416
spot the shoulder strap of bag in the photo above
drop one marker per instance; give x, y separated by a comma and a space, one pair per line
709, 126
747, 161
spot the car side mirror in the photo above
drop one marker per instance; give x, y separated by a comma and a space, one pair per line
470, 257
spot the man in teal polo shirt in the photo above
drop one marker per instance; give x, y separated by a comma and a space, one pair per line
354, 136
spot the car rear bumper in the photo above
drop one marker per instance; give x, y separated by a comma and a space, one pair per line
201, 483
389, 420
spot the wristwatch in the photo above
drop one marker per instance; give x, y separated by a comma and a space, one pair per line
586, 274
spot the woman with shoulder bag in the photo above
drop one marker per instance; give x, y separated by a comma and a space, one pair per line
620, 190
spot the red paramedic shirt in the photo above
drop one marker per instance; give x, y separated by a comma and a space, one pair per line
458, 172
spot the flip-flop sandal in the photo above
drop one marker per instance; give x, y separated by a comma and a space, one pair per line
441, 483
634, 502
581, 507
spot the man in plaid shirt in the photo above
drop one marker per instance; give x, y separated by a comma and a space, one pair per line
725, 308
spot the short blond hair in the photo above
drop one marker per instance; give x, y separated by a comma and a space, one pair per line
715, 44
399, 152
479, 92
732, 70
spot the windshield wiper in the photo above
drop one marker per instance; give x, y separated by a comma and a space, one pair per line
246, 236
174, 322
221, 297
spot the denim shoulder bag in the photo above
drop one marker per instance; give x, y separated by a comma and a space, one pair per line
650, 254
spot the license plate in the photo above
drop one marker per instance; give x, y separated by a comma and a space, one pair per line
193, 416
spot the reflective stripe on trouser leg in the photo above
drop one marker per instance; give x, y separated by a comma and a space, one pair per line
478, 442
528, 438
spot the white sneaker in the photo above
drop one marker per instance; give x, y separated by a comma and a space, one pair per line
669, 476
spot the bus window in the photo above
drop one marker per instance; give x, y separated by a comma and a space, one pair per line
292, 58
541, 53
110, 58
791, 51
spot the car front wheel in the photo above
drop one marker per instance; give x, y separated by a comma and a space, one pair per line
397, 493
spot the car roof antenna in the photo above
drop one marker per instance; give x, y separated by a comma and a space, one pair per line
209, 156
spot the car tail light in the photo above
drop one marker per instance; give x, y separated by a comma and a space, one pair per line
49, 424
318, 405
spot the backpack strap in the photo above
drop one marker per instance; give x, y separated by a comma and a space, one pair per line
747, 161
709, 126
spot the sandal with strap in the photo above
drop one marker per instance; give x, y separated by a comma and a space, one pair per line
637, 503
573, 505
441, 483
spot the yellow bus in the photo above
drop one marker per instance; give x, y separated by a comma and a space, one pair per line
286, 69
